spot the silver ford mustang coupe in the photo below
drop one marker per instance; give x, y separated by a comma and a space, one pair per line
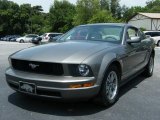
89, 61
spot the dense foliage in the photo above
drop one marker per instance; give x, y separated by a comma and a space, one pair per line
23, 19
61, 16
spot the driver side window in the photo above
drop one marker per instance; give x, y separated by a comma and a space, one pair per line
131, 32
28, 36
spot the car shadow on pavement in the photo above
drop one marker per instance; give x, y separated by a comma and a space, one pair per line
52, 107
131, 85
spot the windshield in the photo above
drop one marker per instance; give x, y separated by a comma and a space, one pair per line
106, 33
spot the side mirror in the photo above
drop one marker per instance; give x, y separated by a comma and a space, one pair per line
134, 40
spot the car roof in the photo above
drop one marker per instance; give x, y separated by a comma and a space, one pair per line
32, 34
150, 31
53, 33
112, 24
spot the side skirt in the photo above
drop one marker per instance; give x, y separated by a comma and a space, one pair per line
131, 77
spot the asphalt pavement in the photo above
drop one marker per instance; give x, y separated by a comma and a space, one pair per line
139, 99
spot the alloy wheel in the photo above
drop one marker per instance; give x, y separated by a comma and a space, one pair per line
151, 65
111, 85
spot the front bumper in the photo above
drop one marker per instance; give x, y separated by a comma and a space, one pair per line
53, 86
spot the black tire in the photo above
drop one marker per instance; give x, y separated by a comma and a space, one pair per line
158, 43
39, 42
21, 41
148, 72
103, 97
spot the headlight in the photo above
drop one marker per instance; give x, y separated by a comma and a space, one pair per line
83, 70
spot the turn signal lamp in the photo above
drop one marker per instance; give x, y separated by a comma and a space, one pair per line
81, 85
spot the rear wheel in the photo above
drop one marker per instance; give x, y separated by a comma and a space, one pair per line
110, 86
21, 41
149, 67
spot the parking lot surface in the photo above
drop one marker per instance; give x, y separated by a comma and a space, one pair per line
139, 99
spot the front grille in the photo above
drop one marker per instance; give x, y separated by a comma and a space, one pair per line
48, 93
38, 67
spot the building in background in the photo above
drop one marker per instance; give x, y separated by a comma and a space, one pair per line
148, 21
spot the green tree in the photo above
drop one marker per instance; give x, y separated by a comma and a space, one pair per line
102, 16
153, 6
36, 19
93, 11
115, 8
152, 3
61, 16
24, 15
46, 23
8, 17
130, 12
37, 9
21, 19
15, 19
85, 9
105, 4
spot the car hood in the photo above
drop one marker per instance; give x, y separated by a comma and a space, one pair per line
65, 52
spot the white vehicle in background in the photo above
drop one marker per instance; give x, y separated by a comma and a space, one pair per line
26, 38
47, 36
155, 35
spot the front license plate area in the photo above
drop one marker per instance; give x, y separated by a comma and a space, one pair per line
27, 87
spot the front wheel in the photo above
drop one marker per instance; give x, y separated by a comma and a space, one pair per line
110, 86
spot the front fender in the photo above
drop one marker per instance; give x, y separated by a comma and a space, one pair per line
106, 62
99, 63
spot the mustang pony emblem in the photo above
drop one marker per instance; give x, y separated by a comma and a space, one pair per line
33, 66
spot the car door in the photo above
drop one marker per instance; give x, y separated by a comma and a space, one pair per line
32, 37
28, 37
135, 52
